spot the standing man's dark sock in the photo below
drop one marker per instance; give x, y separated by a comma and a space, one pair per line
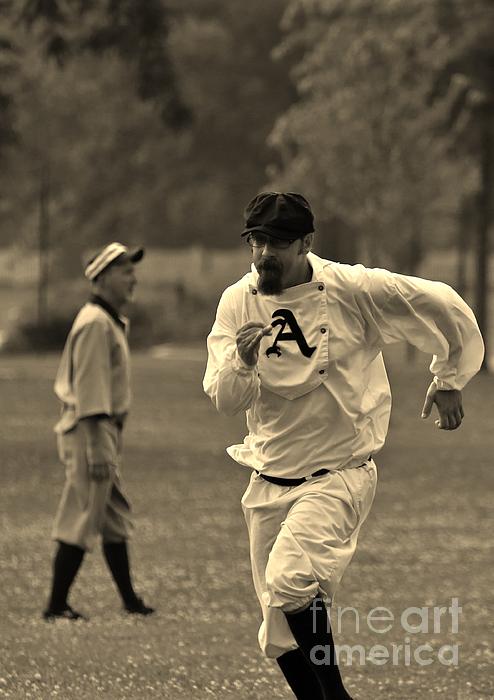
300, 676
117, 558
310, 627
66, 564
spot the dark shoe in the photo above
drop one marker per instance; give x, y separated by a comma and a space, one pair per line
137, 607
66, 614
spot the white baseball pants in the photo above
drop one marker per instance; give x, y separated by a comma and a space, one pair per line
302, 538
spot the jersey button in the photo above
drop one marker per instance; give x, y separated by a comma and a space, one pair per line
323, 330
321, 371
321, 287
254, 291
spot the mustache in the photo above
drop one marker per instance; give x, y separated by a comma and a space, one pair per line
270, 265
270, 274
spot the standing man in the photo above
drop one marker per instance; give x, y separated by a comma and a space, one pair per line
297, 345
93, 383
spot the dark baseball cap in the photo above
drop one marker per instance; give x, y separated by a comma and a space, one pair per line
284, 215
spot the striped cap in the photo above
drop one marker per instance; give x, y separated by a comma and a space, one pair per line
98, 262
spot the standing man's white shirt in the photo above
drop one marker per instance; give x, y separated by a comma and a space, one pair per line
319, 395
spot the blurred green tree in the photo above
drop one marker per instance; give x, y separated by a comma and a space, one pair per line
363, 139
116, 166
392, 132
236, 90
137, 31
469, 28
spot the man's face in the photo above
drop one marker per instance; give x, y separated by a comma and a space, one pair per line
274, 261
118, 282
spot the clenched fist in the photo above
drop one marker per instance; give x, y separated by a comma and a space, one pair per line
99, 471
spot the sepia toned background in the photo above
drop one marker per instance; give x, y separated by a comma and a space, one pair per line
154, 123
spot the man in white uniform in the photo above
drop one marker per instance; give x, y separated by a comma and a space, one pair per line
93, 384
297, 345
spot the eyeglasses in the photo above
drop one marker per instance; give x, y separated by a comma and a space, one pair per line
259, 240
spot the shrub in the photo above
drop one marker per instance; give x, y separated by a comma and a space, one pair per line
29, 335
161, 316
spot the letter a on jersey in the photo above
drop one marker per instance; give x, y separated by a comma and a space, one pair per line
284, 318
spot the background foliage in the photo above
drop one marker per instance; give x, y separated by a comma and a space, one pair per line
157, 122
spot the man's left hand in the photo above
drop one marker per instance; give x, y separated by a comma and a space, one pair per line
449, 406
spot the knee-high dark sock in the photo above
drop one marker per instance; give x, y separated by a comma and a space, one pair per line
117, 558
311, 629
66, 564
300, 676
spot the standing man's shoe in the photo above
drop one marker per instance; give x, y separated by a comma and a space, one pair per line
138, 607
67, 613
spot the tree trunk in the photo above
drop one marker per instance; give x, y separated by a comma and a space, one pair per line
415, 254
465, 224
484, 221
43, 247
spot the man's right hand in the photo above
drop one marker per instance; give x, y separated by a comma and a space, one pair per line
249, 338
97, 448
99, 471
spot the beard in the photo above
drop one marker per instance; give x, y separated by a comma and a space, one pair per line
270, 275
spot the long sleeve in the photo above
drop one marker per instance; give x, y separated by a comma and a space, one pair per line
231, 385
435, 319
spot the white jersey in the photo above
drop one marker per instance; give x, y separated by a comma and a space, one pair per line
319, 395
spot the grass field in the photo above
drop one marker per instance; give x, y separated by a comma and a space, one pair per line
427, 541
